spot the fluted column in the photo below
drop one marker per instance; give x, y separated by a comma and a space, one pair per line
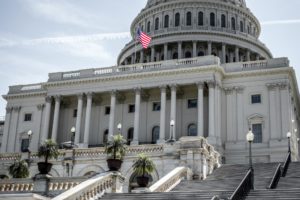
211, 109
273, 112
7, 126
87, 123
142, 56
200, 109
162, 129
78, 118
285, 96
194, 49
14, 130
240, 113
237, 54
229, 114
45, 131
152, 54
137, 105
179, 50
166, 51
56, 118
209, 48
112, 113
223, 53
173, 110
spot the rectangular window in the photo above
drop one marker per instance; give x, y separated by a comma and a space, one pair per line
156, 106
257, 131
27, 117
131, 108
24, 145
107, 110
256, 98
192, 103
75, 113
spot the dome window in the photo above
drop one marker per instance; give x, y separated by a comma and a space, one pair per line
148, 27
200, 19
177, 19
156, 23
166, 21
189, 19
212, 19
241, 26
233, 23
223, 21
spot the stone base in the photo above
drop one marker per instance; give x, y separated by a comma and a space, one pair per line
140, 190
41, 183
161, 141
134, 143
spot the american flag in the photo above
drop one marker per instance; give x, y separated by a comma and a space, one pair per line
143, 38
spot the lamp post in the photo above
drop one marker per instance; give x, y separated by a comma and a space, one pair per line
73, 130
172, 123
29, 134
250, 138
119, 126
289, 135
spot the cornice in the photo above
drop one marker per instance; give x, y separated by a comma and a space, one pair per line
24, 95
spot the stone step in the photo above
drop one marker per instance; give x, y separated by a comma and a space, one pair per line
274, 194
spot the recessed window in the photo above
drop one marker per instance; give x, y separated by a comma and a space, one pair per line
223, 21
192, 103
166, 21
212, 19
107, 110
75, 113
257, 131
156, 106
24, 145
192, 130
155, 134
189, 19
131, 108
200, 19
28, 117
156, 23
256, 98
177, 19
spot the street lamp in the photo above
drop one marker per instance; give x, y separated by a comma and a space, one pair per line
73, 130
250, 139
289, 135
119, 126
29, 134
172, 123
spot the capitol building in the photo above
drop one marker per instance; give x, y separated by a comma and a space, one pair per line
205, 74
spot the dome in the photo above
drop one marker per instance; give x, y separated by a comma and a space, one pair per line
190, 28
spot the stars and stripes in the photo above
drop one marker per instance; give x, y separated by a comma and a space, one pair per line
143, 38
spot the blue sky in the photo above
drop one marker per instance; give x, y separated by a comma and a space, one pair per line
42, 36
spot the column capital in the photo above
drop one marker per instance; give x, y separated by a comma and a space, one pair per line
57, 98
163, 87
137, 90
271, 86
40, 106
113, 92
211, 84
239, 89
79, 96
89, 94
200, 84
228, 90
17, 108
48, 99
9, 109
173, 86
283, 85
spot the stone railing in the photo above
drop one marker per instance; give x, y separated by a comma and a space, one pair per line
93, 188
169, 181
16, 185
133, 150
10, 156
63, 184
140, 67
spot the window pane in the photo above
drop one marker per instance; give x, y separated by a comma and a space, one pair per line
257, 131
189, 19
255, 98
166, 21
131, 108
107, 110
24, 145
27, 117
192, 103
156, 106
223, 21
200, 18
177, 19
156, 23
212, 19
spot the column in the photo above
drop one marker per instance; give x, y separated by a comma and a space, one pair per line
173, 110
45, 131
200, 109
234, 115
229, 114
38, 128
13, 135
136, 129
87, 123
285, 103
142, 56
209, 48
278, 111
78, 118
179, 50
211, 108
7, 126
237, 54
248, 56
152, 54
194, 49
166, 51
56, 118
132, 59
240, 114
257, 57
162, 129
223, 53
218, 111
112, 113
272, 109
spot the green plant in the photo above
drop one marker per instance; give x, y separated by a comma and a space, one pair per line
19, 169
116, 148
143, 165
48, 150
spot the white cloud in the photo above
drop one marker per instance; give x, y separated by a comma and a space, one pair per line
279, 22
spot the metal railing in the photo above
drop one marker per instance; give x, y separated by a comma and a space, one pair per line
244, 188
276, 178
286, 164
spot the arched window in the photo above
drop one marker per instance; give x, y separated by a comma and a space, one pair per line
223, 21
212, 19
156, 23
233, 23
188, 54
175, 55
192, 130
241, 26
200, 19
155, 134
201, 53
189, 19
166, 21
177, 19
130, 135
105, 136
148, 27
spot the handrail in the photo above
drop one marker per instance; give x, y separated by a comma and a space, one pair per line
276, 178
216, 197
286, 164
244, 187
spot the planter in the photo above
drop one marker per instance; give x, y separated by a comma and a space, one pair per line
44, 168
114, 164
142, 181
